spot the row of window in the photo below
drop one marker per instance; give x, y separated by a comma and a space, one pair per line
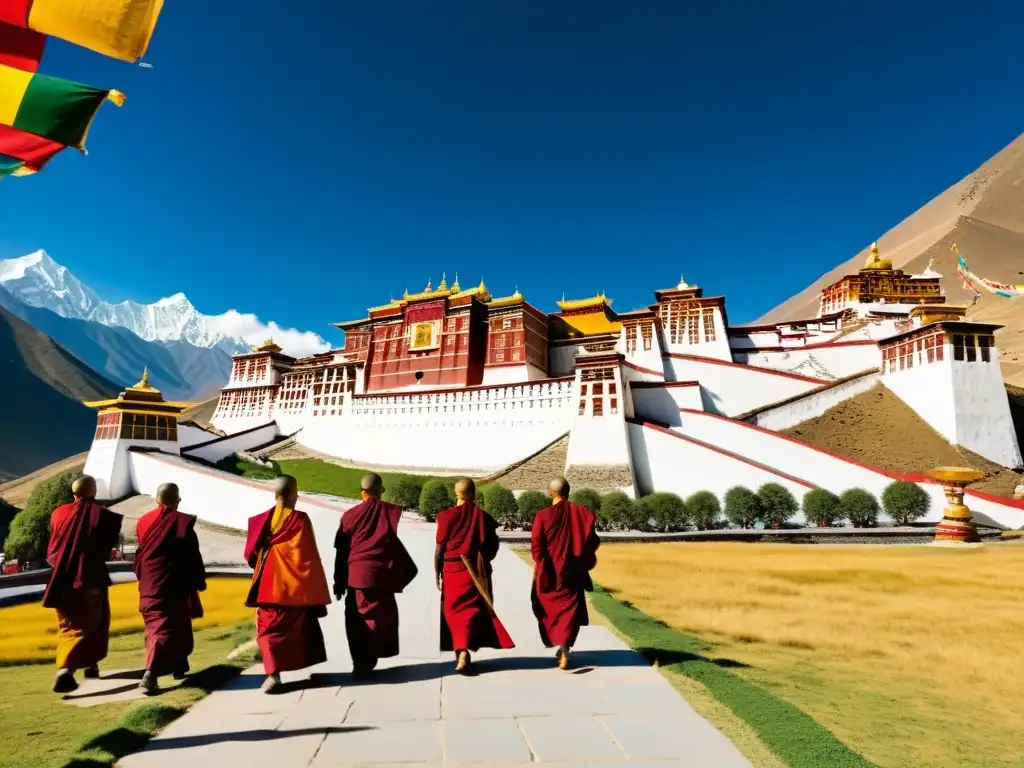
682, 321
136, 426
646, 334
930, 349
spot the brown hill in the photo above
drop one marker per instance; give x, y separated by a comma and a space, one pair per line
984, 215
41, 388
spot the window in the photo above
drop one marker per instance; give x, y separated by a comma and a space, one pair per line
451, 324
709, 324
515, 354
583, 406
615, 405
647, 332
499, 341
630, 339
958, 346
499, 357
985, 347
599, 406
506, 323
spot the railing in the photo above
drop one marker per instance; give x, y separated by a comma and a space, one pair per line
551, 394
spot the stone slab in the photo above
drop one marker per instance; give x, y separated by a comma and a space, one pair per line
570, 739
647, 737
485, 741
411, 741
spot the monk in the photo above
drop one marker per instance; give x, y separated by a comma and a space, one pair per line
171, 575
564, 546
370, 568
82, 535
467, 542
289, 586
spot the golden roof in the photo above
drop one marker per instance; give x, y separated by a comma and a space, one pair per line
267, 346
595, 301
590, 324
875, 261
141, 398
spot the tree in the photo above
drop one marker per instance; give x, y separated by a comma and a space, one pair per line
500, 503
822, 507
777, 504
529, 504
587, 497
30, 528
405, 492
859, 507
905, 502
7, 513
666, 511
619, 511
437, 495
742, 506
704, 509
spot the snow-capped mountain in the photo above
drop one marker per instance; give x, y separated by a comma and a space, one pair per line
38, 281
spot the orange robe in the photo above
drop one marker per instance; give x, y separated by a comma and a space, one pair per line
289, 590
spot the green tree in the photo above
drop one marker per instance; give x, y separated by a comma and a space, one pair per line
742, 506
500, 503
666, 511
30, 528
7, 513
405, 492
705, 510
587, 497
905, 502
822, 507
859, 507
529, 504
777, 504
438, 494
620, 512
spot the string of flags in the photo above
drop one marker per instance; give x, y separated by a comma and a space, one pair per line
972, 281
42, 115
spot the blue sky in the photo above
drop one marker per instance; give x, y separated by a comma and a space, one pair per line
306, 160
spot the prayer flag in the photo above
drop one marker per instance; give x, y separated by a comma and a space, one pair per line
27, 148
20, 48
11, 166
55, 109
120, 29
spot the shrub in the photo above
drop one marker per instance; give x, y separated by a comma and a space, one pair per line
620, 512
30, 528
742, 506
704, 510
777, 504
859, 507
7, 513
405, 492
904, 502
529, 504
666, 511
822, 507
587, 497
500, 503
437, 495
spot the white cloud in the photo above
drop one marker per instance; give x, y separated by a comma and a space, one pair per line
249, 328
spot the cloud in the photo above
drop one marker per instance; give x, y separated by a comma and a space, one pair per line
249, 327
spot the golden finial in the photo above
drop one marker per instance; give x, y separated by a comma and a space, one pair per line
874, 250
144, 382
517, 294
481, 287
429, 287
455, 286
443, 285
406, 294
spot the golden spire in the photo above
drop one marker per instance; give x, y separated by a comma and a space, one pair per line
443, 285
875, 261
482, 287
144, 382
406, 294
429, 287
517, 294
455, 286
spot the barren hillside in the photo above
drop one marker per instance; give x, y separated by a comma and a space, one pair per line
984, 215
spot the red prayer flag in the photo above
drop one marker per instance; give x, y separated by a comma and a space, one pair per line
15, 12
34, 151
20, 48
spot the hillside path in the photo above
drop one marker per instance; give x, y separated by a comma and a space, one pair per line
612, 709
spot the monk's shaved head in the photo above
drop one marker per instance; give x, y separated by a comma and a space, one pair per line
559, 487
286, 490
167, 495
372, 484
465, 489
84, 487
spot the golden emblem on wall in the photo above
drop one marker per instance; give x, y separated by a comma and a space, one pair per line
422, 336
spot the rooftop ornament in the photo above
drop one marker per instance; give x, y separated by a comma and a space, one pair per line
957, 526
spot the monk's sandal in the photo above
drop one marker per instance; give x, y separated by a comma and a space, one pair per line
149, 684
272, 684
65, 682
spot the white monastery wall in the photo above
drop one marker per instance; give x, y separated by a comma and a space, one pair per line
1006, 512
236, 424
928, 389
108, 463
511, 374
598, 435
835, 361
982, 411
218, 448
562, 359
731, 389
188, 435
813, 404
475, 429
663, 403
664, 461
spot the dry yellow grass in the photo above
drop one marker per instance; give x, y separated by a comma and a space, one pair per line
28, 633
908, 654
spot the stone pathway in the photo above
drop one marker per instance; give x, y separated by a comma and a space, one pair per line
612, 709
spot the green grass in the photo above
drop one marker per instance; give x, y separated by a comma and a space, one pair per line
322, 477
42, 732
797, 739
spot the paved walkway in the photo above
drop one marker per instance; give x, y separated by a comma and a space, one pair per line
613, 709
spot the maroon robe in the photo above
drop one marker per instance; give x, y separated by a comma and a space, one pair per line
171, 575
289, 592
467, 621
371, 565
82, 535
564, 546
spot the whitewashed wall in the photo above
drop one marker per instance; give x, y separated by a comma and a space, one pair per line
928, 390
220, 448
983, 421
732, 389
475, 430
663, 403
189, 435
1008, 513
108, 463
512, 374
813, 404
668, 462
839, 360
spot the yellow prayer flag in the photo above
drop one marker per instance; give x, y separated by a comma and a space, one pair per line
120, 29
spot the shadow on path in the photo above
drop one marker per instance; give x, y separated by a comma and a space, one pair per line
256, 734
